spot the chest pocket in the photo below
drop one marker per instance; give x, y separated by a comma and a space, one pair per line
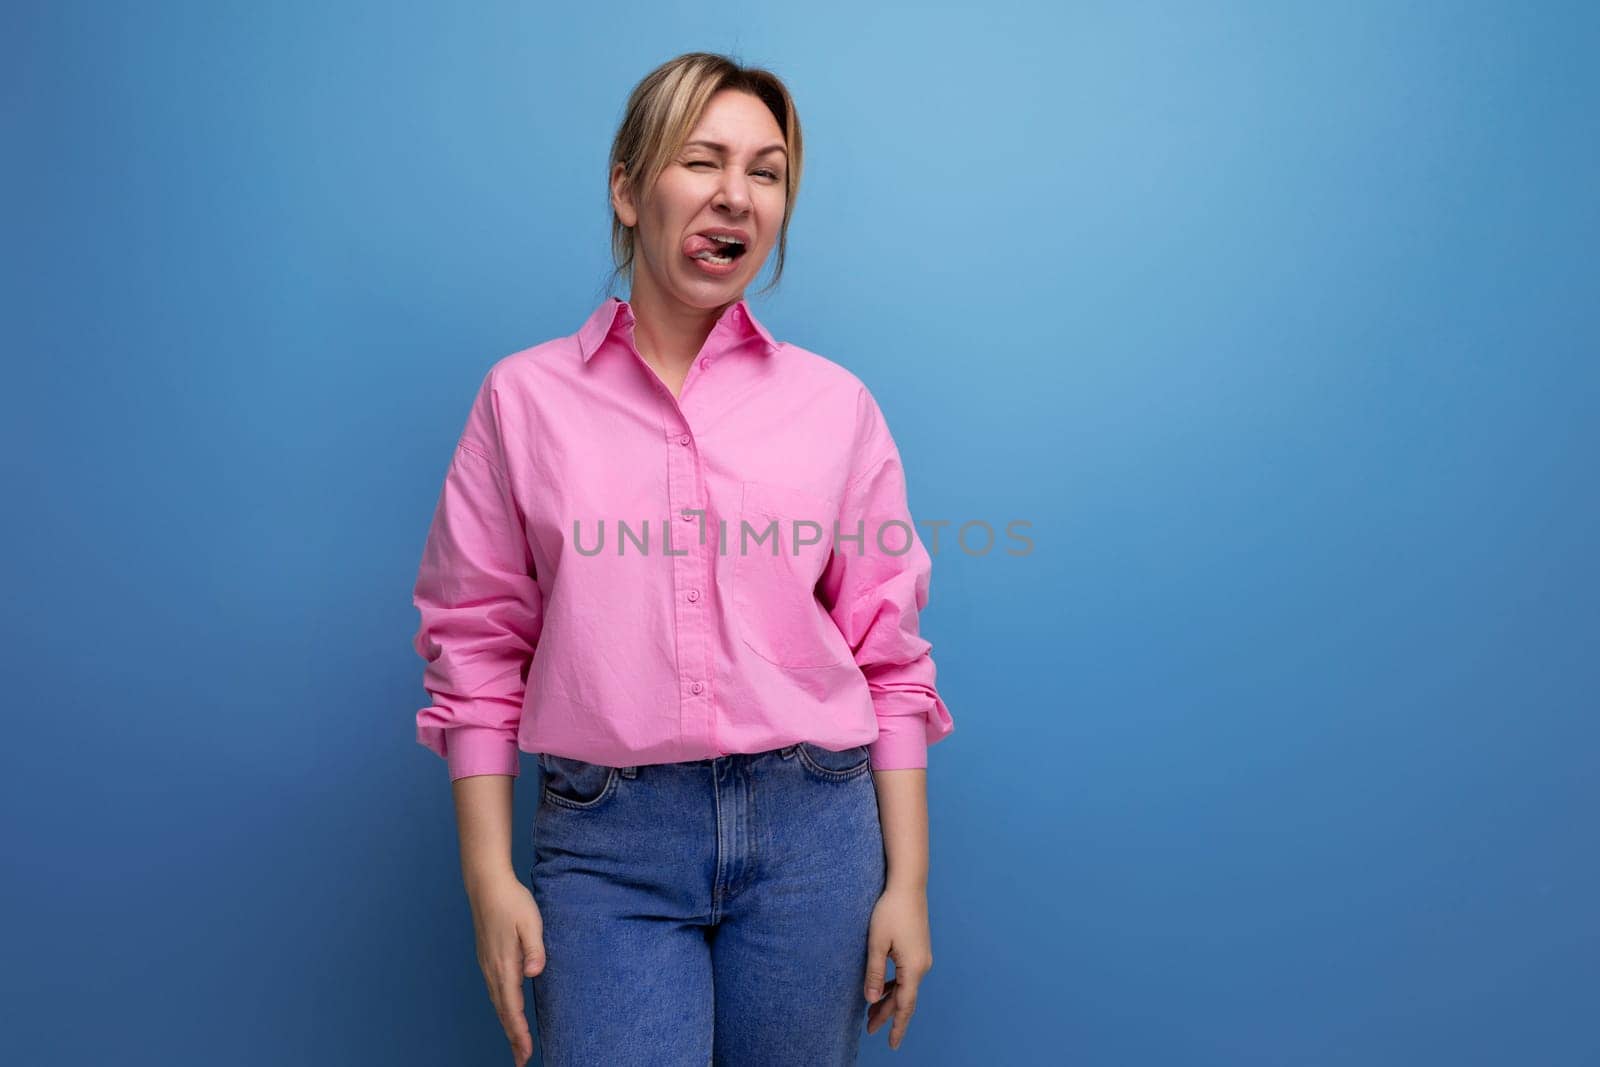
774, 580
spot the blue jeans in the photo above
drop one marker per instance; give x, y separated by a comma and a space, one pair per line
707, 912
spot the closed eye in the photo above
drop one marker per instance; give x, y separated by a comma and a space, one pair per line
707, 163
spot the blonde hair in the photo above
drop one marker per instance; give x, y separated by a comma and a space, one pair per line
662, 111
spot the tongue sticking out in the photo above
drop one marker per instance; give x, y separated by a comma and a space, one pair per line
697, 244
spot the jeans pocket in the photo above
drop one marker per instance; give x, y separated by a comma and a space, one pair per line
831, 765
575, 783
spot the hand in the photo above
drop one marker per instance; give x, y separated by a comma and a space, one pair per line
899, 930
510, 949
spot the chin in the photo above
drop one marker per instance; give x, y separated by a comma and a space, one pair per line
730, 284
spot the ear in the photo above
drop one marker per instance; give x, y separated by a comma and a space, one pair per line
622, 197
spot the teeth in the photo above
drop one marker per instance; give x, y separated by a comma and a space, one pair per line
712, 257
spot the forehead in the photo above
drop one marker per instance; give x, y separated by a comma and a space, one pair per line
738, 121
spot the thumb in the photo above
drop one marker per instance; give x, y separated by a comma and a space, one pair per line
532, 955
877, 964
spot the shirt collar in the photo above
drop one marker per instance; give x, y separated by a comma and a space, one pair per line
735, 325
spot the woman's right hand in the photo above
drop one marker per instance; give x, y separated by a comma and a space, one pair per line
510, 935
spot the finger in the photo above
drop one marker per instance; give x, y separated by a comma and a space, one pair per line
520, 1038
905, 1005
513, 1016
882, 1008
521, 1043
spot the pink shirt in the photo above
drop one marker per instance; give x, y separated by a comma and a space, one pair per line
682, 645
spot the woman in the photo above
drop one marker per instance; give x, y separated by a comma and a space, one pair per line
731, 717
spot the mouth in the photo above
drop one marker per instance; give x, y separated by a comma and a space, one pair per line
717, 248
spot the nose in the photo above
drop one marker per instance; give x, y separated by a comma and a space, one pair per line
734, 192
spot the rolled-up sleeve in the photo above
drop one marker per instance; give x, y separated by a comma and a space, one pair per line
875, 589
481, 611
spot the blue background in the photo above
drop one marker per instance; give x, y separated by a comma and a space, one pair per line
1277, 322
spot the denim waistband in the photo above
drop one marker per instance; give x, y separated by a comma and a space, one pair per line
732, 757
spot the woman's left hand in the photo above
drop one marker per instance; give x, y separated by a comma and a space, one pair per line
899, 930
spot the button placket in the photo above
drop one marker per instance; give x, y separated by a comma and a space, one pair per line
689, 549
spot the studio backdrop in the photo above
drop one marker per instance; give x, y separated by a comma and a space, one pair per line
1243, 362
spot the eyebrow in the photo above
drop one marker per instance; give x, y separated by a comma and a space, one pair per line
724, 148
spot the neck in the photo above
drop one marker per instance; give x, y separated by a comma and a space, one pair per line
669, 333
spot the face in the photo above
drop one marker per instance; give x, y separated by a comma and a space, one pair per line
729, 176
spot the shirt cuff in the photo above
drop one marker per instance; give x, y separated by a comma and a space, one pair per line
473, 750
902, 743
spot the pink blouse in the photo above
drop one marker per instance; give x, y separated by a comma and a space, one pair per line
620, 576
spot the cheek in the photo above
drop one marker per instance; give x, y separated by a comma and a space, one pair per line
675, 201
655, 231
771, 230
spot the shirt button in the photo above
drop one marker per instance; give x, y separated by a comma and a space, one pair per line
696, 687
687, 517
684, 439
706, 361
694, 594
